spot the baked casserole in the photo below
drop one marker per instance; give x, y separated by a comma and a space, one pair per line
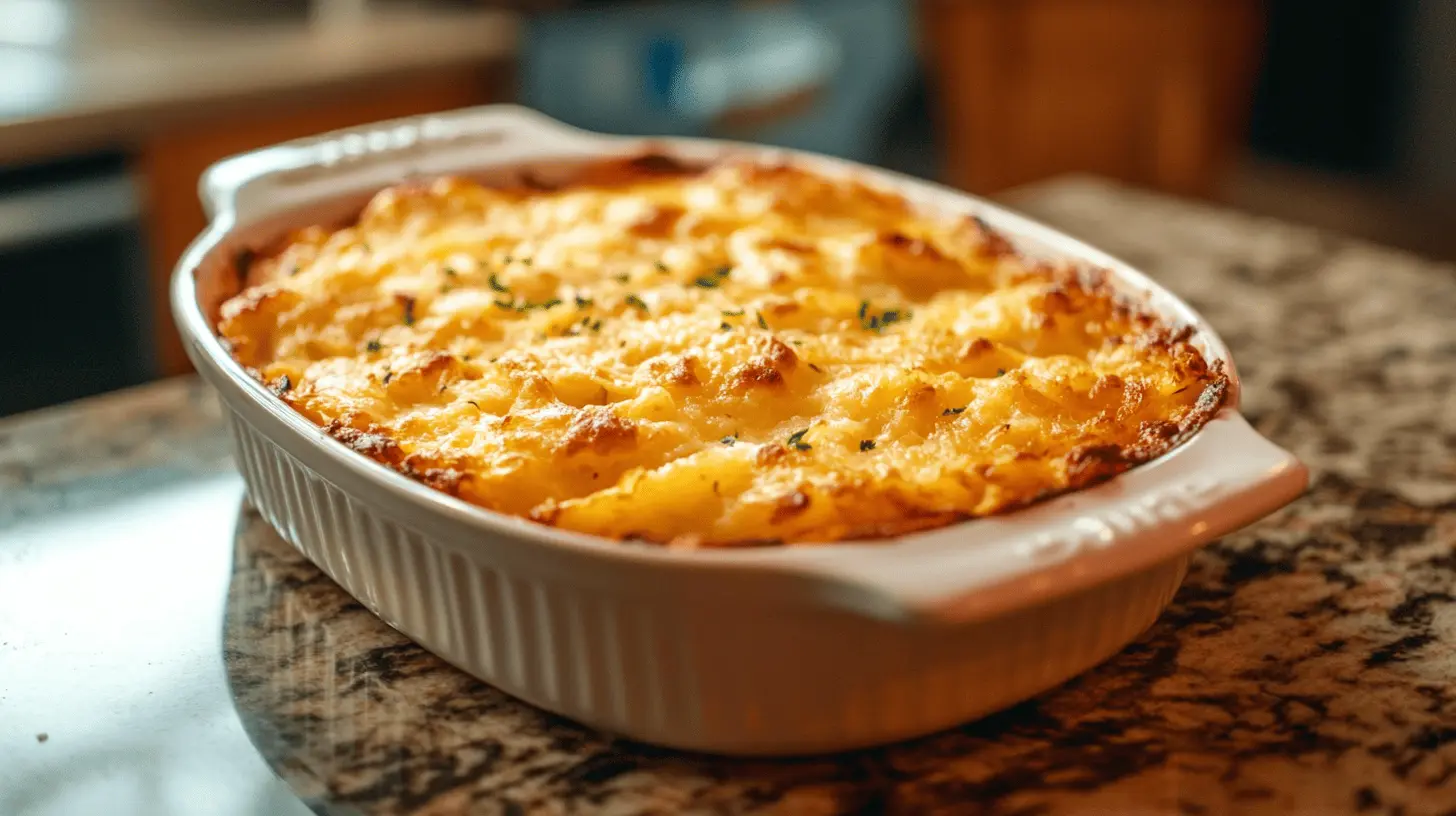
714, 356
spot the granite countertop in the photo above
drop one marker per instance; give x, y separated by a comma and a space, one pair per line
86, 73
1304, 668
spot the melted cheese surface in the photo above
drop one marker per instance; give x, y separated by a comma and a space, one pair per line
732, 356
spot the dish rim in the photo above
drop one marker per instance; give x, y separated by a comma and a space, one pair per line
244, 190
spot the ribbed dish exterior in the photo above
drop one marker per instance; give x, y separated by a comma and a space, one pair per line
708, 675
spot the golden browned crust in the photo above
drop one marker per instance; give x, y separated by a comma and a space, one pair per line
735, 355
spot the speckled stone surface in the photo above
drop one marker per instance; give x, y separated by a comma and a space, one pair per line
1306, 666
110, 447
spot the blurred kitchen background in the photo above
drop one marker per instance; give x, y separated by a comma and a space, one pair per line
1337, 113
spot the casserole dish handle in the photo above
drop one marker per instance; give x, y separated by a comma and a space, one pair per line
1226, 477
367, 158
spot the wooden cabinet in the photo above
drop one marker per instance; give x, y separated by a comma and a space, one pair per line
1152, 92
171, 159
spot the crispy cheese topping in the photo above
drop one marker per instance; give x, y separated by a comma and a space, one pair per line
719, 357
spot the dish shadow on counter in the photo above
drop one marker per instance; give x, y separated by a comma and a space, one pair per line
1202, 711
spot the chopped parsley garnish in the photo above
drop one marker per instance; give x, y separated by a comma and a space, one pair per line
730, 440
660, 266
733, 313
866, 445
596, 325
476, 404
526, 305
497, 285
951, 411
582, 303
814, 367
450, 272
388, 375
875, 322
373, 345
293, 270
706, 282
526, 261
722, 272
506, 305
1000, 372
409, 311
762, 324
725, 326
636, 302
622, 277
796, 440
284, 384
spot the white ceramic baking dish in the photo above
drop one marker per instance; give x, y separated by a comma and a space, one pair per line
758, 651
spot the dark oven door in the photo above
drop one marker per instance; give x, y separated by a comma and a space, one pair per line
73, 280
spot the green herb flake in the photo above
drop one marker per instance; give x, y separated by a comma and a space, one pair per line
373, 345
815, 368
388, 375
636, 303
506, 305
730, 441
796, 440
596, 326
582, 302
451, 273
733, 313
551, 304
866, 445
706, 282
660, 266
283, 386
725, 326
497, 285
953, 411
409, 311
476, 404
722, 272
876, 322
762, 324
1000, 372
622, 277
